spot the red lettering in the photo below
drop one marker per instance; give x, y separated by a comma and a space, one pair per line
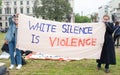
93, 42
62, 42
73, 42
67, 42
81, 42
88, 41
58, 41
52, 42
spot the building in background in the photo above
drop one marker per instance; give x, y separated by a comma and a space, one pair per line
114, 6
10, 7
112, 9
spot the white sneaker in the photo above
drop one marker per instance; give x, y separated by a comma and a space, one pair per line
11, 67
19, 67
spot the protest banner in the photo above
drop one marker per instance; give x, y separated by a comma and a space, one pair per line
74, 40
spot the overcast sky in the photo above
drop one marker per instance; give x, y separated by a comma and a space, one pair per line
84, 7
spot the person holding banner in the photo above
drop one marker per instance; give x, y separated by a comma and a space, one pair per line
10, 39
108, 50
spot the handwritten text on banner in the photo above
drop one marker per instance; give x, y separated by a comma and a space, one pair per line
75, 40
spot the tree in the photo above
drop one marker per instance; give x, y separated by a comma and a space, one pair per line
36, 8
81, 19
53, 9
94, 17
0, 2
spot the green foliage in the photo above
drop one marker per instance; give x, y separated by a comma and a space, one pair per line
94, 17
53, 9
36, 8
2, 35
81, 19
0, 2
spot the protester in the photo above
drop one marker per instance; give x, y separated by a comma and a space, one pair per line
10, 39
117, 33
108, 50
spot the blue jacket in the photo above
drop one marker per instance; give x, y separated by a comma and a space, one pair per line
11, 31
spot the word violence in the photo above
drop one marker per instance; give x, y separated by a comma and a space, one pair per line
73, 42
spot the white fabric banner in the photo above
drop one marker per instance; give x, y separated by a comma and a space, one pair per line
74, 40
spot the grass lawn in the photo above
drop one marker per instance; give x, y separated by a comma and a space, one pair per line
49, 67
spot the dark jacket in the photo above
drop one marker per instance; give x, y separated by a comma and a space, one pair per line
117, 31
108, 50
5, 48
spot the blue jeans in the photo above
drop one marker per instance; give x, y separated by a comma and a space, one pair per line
15, 58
